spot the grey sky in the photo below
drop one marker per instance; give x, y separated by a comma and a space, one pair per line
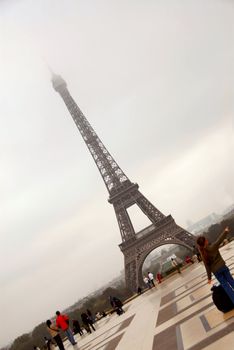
155, 79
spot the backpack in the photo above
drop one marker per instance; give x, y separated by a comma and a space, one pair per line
221, 299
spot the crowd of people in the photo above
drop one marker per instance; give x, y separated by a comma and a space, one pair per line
61, 323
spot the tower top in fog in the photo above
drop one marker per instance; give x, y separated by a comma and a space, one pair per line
58, 82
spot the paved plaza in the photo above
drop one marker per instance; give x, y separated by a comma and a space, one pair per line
176, 315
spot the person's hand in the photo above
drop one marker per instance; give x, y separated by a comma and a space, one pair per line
209, 281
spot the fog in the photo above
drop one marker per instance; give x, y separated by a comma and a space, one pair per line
155, 80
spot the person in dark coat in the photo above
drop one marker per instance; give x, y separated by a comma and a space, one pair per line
118, 305
87, 322
77, 327
91, 317
112, 302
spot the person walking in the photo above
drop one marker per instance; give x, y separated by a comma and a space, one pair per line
54, 333
91, 317
215, 264
151, 278
147, 282
62, 321
175, 264
77, 327
159, 277
87, 322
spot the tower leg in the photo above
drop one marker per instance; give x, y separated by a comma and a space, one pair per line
131, 276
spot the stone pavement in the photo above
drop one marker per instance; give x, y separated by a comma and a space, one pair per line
176, 315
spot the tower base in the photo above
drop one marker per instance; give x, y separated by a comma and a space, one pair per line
135, 251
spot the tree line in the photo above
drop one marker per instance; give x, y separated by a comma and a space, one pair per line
98, 303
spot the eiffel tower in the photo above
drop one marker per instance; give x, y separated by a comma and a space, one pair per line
123, 193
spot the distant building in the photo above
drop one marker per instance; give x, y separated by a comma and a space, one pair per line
204, 223
189, 223
228, 212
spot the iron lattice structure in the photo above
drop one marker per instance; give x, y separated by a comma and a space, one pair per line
135, 246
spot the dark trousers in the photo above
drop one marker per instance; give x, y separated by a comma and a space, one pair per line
87, 327
119, 310
80, 332
226, 280
59, 342
91, 324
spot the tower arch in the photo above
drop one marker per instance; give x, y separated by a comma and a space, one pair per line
147, 252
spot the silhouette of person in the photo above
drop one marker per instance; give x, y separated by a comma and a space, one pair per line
151, 278
77, 327
118, 305
87, 322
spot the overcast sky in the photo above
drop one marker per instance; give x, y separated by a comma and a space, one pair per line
155, 79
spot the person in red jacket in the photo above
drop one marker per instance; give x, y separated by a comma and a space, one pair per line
62, 321
159, 277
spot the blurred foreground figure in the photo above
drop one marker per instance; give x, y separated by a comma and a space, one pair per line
215, 264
